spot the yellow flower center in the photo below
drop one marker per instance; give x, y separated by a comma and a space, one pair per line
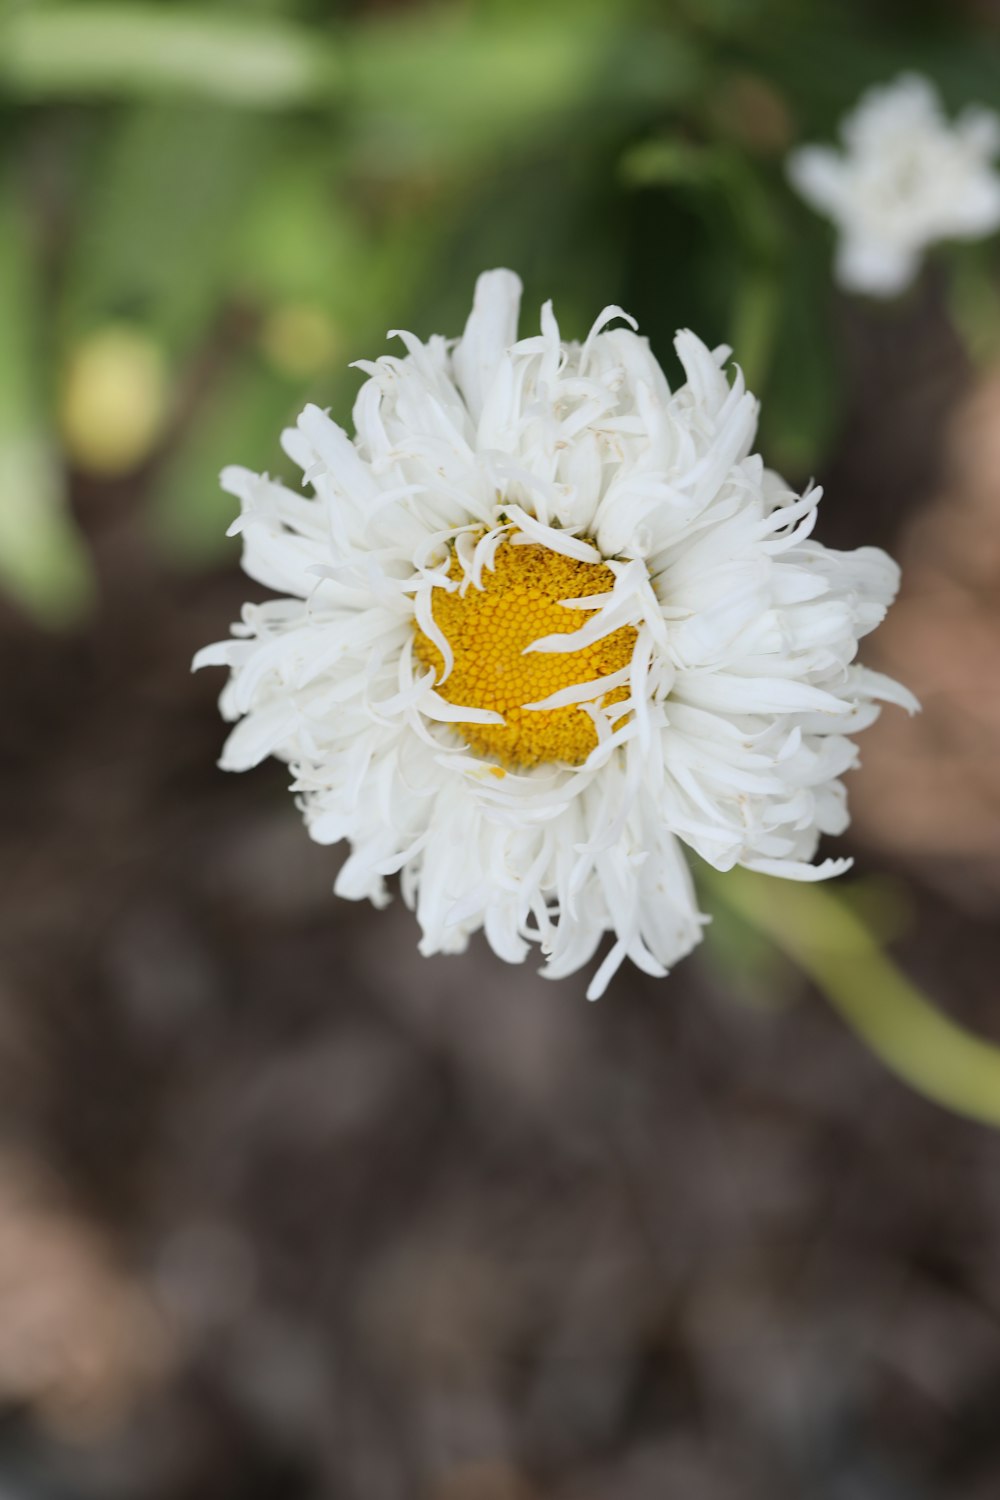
488, 630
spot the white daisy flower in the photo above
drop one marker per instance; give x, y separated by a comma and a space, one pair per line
543, 621
905, 179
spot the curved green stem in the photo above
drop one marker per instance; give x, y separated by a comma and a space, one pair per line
831, 944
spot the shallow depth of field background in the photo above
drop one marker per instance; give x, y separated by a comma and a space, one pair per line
287, 1212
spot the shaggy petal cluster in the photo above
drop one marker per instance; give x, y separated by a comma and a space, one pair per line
905, 179
724, 715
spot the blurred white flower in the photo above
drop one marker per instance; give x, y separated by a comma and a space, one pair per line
905, 179
542, 619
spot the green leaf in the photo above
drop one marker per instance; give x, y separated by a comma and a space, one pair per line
239, 422
805, 392
744, 231
449, 84
160, 217
43, 560
142, 50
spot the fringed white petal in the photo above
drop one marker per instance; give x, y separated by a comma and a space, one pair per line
739, 700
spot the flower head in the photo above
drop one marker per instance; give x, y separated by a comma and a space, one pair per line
542, 621
905, 179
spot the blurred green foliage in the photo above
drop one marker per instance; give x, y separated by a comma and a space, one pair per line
251, 193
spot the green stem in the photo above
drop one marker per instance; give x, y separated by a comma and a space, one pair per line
755, 321
974, 303
837, 951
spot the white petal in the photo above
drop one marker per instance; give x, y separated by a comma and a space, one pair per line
490, 331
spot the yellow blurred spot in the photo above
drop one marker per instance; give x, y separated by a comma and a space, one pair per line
299, 339
114, 400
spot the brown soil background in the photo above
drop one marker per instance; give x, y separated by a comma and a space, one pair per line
288, 1212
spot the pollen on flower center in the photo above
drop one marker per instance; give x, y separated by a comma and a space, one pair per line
489, 628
